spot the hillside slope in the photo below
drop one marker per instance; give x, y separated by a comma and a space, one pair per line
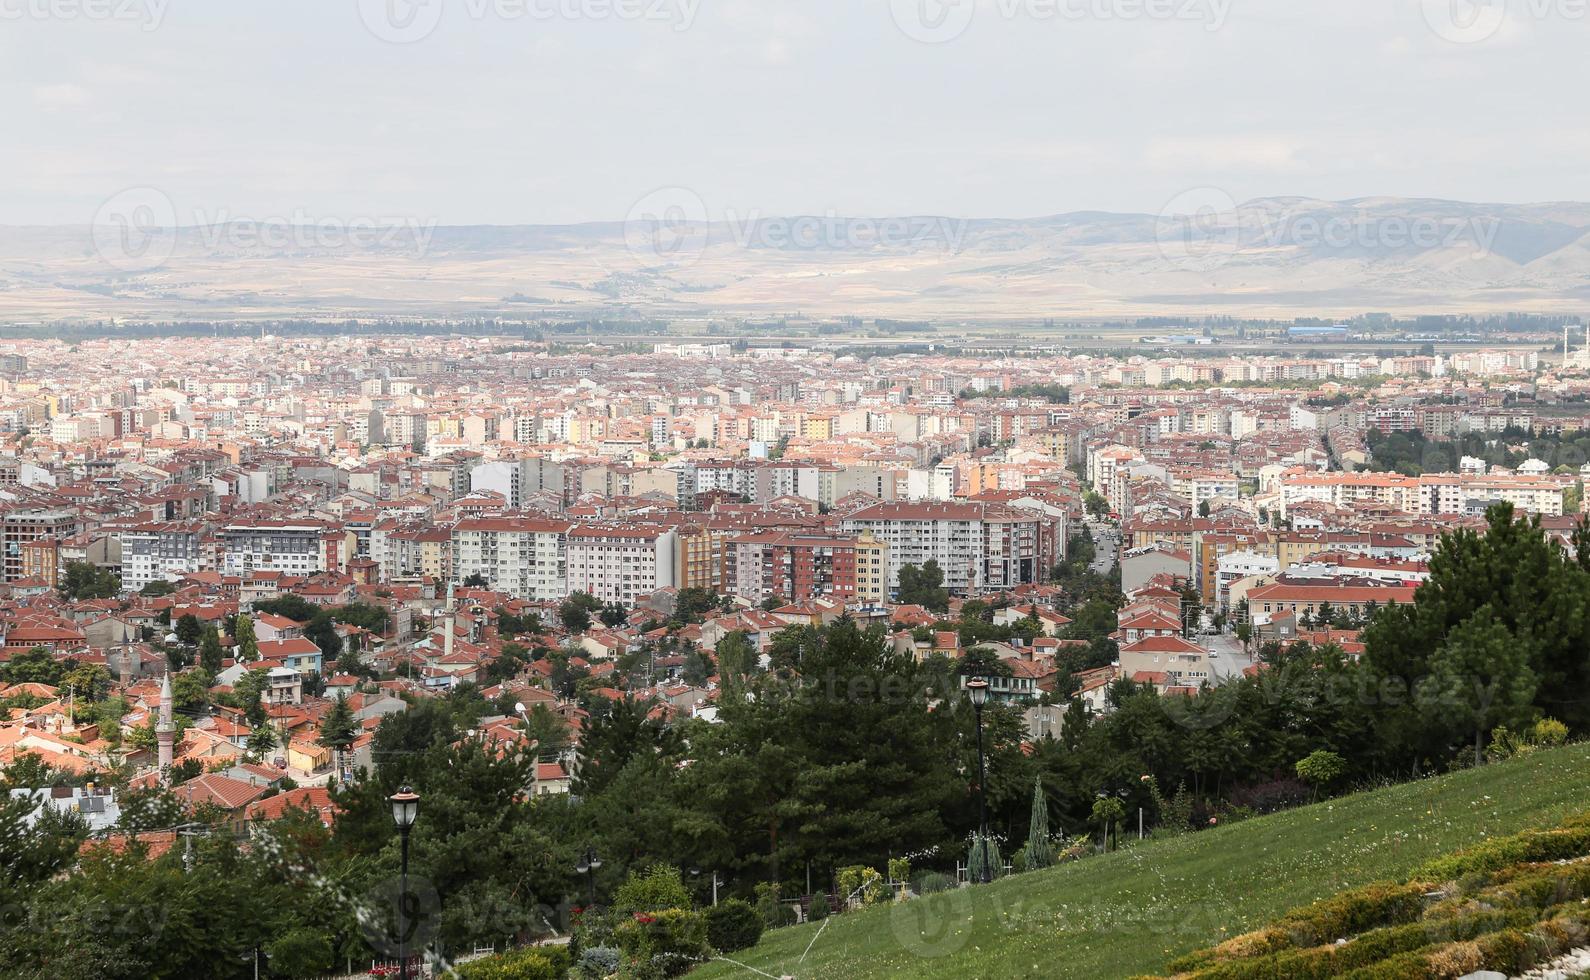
1131, 912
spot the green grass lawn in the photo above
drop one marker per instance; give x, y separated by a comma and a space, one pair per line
1130, 912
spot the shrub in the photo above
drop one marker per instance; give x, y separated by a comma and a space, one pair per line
531, 963
673, 939
733, 925
818, 909
899, 869
1548, 732
860, 884
658, 887
770, 905
929, 882
599, 962
1493, 855
985, 856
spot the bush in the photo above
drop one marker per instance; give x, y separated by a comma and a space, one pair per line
985, 856
818, 909
733, 925
860, 884
770, 906
599, 962
658, 887
531, 963
899, 869
1533, 845
929, 882
672, 939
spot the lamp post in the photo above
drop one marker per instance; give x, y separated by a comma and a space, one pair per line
696, 873
405, 808
589, 862
978, 689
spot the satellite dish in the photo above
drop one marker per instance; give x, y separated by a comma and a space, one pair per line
519, 707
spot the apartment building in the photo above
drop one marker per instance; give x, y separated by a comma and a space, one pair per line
800, 567
290, 547
622, 562
159, 552
976, 545
24, 524
523, 556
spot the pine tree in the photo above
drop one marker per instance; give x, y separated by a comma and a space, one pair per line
1040, 850
210, 651
338, 729
247, 643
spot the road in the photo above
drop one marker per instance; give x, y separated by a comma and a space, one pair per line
1106, 542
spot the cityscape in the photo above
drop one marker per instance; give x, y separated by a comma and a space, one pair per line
925, 489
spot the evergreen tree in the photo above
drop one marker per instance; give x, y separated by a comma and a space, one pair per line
210, 654
338, 730
1040, 850
247, 643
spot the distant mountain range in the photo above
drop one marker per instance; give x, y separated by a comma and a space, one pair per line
1274, 256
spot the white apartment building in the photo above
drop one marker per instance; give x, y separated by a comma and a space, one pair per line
1200, 486
525, 557
622, 562
976, 545
159, 552
1240, 565
291, 547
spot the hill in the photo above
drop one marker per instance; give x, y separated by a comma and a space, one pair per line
1134, 911
1204, 254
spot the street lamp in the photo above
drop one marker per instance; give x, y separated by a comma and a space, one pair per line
978, 689
696, 873
405, 809
589, 862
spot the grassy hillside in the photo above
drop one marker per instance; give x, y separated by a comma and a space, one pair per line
1132, 912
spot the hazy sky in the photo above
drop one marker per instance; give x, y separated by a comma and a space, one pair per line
527, 111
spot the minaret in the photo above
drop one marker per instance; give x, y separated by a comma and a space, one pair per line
447, 629
165, 731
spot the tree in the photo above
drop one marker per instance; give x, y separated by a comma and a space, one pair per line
475, 580
549, 732
262, 741
188, 629
1040, 850
34, 666
210, 653
87, 682
157, 588
614, 614
83, 580
1107, 813
924, 586
190, 691
575, 612
1320, 768
1096, 505
247, 642
1480, 678
338, 729
697, 668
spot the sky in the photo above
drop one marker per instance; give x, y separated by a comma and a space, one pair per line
561, 111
